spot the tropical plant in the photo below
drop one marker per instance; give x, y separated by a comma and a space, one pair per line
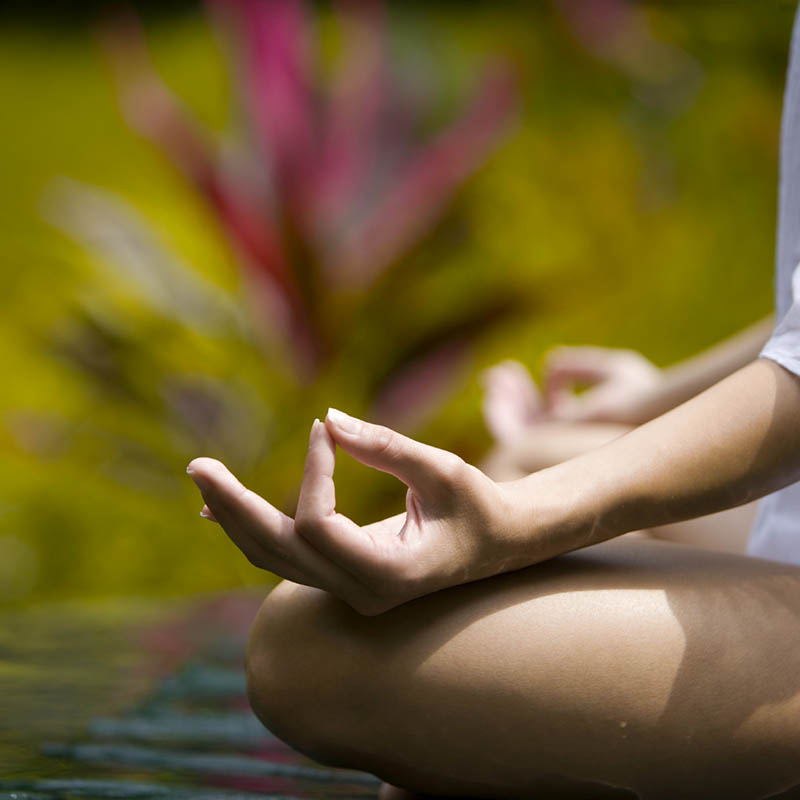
337, 180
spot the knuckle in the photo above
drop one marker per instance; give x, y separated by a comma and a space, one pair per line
453, 470
386, 441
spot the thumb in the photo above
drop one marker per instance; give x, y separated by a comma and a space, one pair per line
423, 468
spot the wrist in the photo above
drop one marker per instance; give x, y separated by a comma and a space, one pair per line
562, 508
656, 397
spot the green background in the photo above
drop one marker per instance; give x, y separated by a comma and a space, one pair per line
621, 214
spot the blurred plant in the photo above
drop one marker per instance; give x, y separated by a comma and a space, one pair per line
333, 183
157, 357
619, 33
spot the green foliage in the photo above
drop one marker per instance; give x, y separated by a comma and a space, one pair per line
622, 221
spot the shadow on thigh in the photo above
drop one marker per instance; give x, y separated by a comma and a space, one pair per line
658, 670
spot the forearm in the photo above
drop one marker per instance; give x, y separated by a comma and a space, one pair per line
735, 442
694, 375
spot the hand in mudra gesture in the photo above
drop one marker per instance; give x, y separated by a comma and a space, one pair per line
456, 528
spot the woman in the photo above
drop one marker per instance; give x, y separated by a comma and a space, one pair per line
631, 669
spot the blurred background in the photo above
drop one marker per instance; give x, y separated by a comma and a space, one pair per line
222, 218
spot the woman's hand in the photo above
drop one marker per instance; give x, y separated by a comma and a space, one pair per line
458, 526
511, 401
623, 385
623, 388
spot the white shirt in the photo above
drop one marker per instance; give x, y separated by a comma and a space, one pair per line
776, 534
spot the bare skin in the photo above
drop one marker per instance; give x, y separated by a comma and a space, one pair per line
536, 429
546, 443
514, 683
733, 443
627, 389
631, 669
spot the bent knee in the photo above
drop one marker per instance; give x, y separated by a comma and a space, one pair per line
302, 664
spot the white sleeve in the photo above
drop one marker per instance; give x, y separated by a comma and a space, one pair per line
776, 534
783, 346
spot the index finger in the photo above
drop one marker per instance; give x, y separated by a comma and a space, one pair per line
264, 534
316, 519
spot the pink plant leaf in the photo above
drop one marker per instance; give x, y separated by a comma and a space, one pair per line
350, 119
154, 111
420, 387
275, 50
419, 196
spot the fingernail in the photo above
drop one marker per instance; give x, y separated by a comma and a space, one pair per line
344, 422
204, 515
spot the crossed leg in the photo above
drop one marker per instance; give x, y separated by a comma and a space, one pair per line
629, 669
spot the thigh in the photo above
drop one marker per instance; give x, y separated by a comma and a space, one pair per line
658, 670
